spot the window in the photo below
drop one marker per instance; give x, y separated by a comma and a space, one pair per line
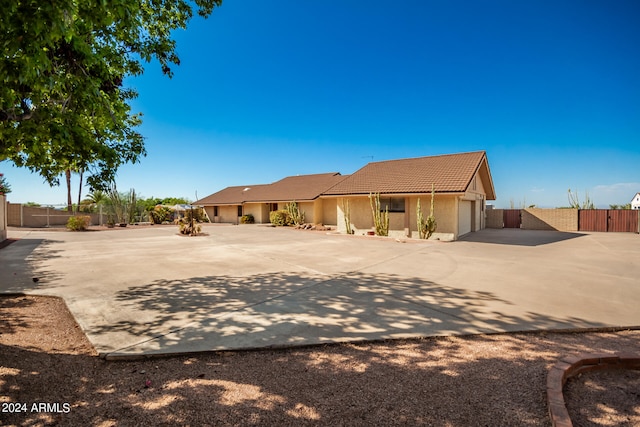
239, 210
394, 204
215, 211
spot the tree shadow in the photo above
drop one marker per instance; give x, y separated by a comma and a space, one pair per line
409, 382
17, 265
285, 309
518, 237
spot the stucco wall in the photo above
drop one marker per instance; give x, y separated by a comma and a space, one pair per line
550, 219
362, 219
260, 212
309, 211
330, 211
227, 214
3, 217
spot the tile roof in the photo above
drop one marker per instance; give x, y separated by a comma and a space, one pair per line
450, 173
298, 188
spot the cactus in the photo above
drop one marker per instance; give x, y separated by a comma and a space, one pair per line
380, 219
296, 215
427, 227
574, 201
346, 210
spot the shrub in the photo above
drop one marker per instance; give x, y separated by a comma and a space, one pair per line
159, 214
188, 226
78, 223
247, 219
280, 217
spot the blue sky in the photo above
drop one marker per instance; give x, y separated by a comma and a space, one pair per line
550, 89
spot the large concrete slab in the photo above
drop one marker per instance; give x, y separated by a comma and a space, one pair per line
149, 291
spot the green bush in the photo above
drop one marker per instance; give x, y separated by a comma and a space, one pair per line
78, 223
247, 219
280, 217
159, 214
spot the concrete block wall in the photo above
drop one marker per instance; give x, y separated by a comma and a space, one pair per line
495, 218
30, 216
550, 219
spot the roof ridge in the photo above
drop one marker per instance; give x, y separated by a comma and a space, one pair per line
432, 156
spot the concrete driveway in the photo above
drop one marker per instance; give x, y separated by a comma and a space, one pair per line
148, 291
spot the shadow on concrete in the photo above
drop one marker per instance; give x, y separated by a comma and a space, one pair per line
519, 237
409, 382
18, 265
283, 309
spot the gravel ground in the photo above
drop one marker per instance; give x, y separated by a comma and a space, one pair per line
489, 380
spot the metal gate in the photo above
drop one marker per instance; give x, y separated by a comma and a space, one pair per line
619, 220
511, 218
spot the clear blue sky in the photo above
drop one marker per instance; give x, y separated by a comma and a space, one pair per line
550, 89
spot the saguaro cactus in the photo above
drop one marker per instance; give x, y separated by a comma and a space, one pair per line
426, 227
297, 216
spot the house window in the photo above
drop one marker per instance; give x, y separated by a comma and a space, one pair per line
273, 207
215, 211
239, 210
393, 204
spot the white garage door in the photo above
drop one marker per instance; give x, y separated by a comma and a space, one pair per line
464, 217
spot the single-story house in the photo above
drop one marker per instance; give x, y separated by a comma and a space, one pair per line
635, 202
229, 204
462, 184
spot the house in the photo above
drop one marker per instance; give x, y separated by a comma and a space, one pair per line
229, 204
635, 202
462, 185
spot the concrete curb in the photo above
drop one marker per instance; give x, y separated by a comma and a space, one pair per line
578, 364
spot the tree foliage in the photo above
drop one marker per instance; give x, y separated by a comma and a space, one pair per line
62, 100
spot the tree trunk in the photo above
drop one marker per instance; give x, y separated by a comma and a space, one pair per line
67, 174
80, 189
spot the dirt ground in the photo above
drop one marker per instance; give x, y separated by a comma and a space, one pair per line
50, 375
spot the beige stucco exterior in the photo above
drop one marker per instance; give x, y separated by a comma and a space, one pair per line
456, 214
316, 212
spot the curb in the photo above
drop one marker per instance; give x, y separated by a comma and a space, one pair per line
574, 365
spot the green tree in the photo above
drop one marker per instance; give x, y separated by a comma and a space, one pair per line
175, 201
62, 99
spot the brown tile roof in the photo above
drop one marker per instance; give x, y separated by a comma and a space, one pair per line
229, 196
301, 187
298, 188
450, 173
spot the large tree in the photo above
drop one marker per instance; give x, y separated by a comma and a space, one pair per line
62, 100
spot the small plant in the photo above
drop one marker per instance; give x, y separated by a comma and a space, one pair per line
295, 214
427, 227
280, 218
5, 188
159, 214
346, 210
380, 219
78, 222
247, 219
188, 224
